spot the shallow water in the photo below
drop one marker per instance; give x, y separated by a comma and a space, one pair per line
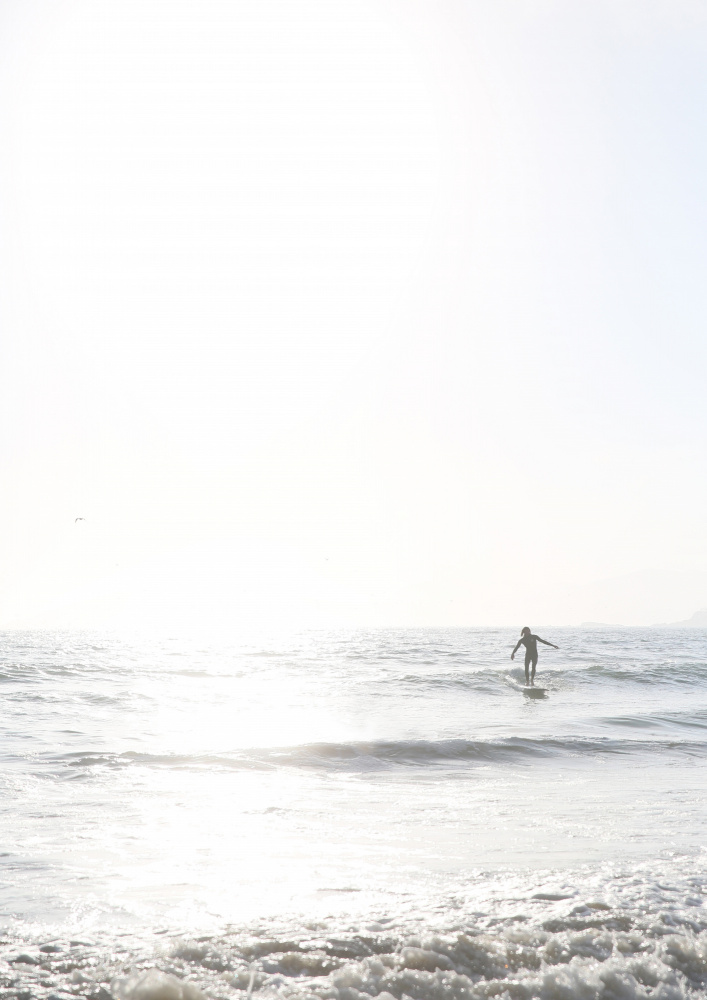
343, 815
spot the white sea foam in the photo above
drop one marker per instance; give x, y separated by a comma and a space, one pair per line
568, 950
154, 985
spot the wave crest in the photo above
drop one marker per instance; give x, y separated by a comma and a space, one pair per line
387, 755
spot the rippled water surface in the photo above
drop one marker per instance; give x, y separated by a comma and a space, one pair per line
347, 815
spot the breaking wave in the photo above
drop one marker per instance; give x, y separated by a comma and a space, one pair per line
551, 948
385, 755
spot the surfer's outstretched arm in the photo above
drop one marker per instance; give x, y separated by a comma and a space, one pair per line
545, 643
516, 649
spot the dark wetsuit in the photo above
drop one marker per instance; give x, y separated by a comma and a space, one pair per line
531, 653
531, 650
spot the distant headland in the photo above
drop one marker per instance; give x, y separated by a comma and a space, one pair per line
698, 620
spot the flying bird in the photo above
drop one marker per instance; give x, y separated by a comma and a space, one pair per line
79, 519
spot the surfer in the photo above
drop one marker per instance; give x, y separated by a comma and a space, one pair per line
530, 642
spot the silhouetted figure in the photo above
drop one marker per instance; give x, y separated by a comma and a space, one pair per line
531, 650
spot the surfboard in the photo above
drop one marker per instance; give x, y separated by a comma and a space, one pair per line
534, 692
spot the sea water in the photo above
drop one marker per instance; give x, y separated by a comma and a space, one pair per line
346, 815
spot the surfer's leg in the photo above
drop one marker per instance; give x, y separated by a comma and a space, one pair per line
535, 663
527, 666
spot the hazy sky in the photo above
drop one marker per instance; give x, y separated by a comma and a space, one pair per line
353, 311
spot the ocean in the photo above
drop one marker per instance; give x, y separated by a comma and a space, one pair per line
341, 815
